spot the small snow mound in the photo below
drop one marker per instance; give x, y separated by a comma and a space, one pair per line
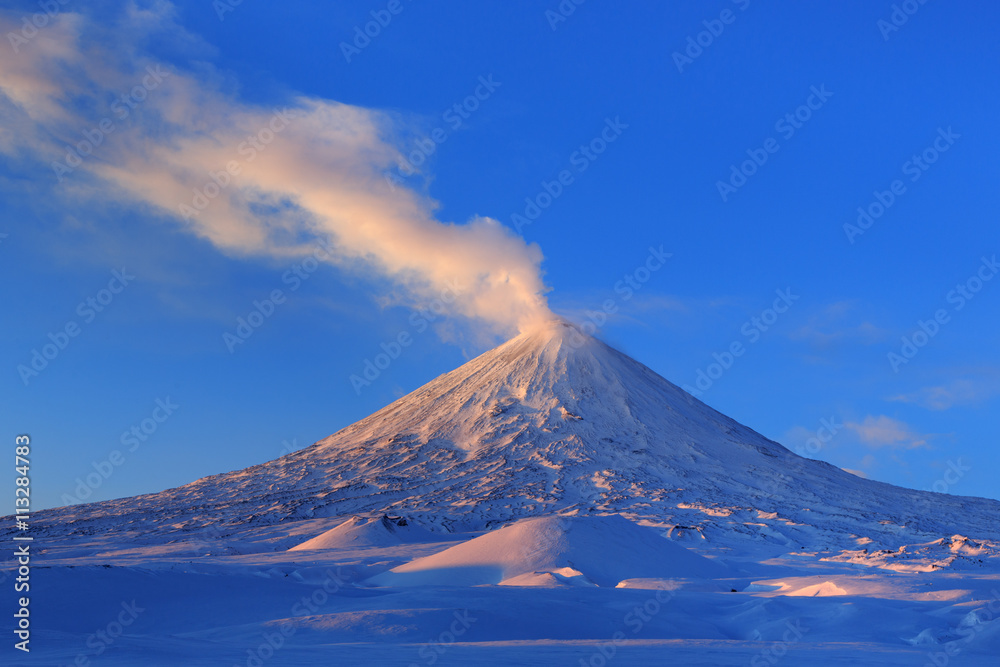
824, 589
603, 550
358, 532
650, 584
925, 638
565, 576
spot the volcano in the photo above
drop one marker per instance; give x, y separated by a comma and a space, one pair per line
550, 502
554, 422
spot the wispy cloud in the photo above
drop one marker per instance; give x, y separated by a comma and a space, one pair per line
657, 303
831, 325
883, 431
948, 395
117, 126
634, 310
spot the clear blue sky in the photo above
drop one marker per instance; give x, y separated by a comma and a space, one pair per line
869, 98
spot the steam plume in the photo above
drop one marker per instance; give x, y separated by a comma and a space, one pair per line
251, 180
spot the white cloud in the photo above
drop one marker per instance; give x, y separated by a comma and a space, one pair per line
883, 431
312, 173
943, 397
828, 328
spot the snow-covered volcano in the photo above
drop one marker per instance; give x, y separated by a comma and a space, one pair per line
555, 422
550, 502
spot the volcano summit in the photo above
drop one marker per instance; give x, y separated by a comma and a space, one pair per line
554, 422
522, 505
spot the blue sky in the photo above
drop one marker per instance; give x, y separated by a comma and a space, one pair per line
743, 158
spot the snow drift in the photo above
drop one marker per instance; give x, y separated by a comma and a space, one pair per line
357, 532
596, 550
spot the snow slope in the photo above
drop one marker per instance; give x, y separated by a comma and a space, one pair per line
601, 551
372, 532
555, 421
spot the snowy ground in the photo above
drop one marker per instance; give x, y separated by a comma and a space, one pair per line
523, 595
